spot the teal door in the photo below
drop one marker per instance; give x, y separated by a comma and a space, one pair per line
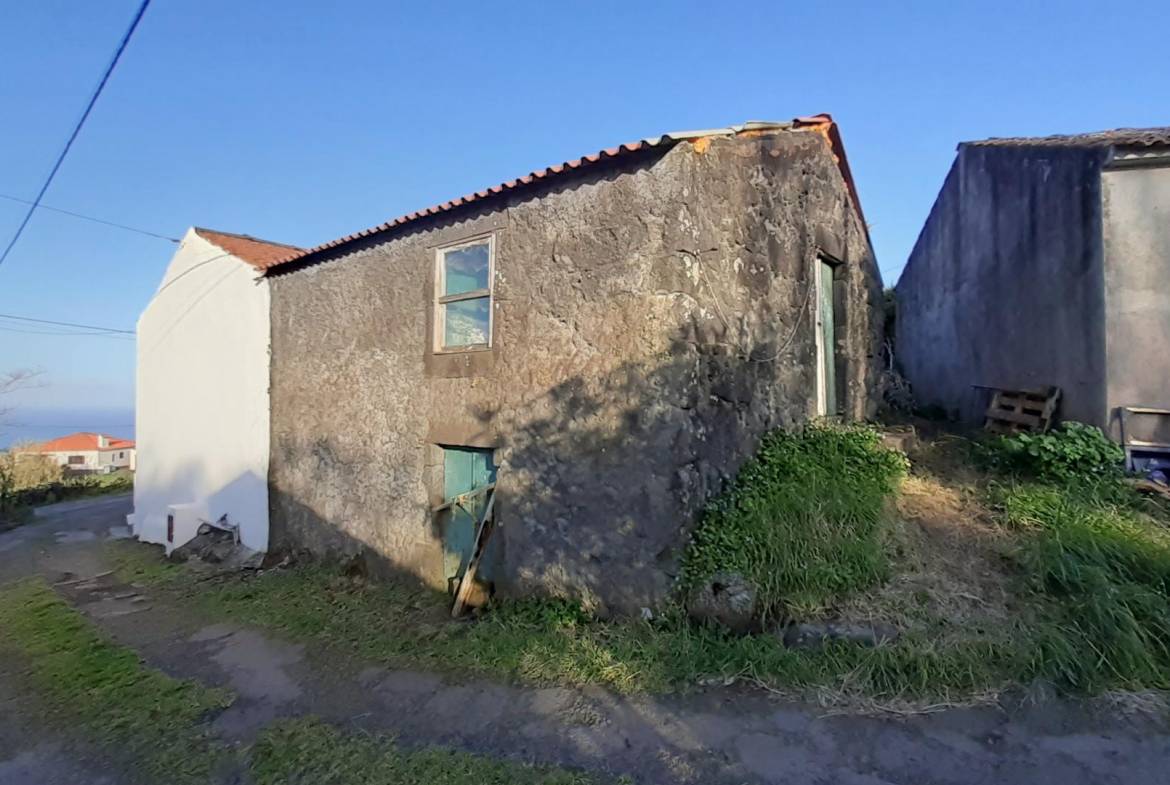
828, 336
464, 470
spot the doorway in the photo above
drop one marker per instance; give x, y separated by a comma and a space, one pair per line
826, 339
465, 470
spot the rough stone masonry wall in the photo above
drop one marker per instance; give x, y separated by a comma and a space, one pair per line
652, 321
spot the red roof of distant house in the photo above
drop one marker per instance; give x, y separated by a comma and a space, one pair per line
82, 442
822, 124
256, 252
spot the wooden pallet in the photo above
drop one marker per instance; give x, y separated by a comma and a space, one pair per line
1022, 411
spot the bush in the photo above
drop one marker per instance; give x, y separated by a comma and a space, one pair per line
1072, 452
16, 502
802, 521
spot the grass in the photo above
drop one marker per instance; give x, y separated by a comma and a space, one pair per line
550, 642
1081, 590
1099, 571
803, 521
307, 750
158, 724
88, 681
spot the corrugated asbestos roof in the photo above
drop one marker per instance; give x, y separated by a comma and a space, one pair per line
256, 252
1120, 137
822, 123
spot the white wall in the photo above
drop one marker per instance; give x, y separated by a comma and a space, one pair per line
92, 459
202, 396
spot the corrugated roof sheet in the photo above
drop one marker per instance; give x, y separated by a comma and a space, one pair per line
256, 252
822, 123
1120, 137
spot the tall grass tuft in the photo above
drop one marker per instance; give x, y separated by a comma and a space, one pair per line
803, 519
1101, 574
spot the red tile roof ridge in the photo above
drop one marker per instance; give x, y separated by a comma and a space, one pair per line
822, 123
256, 252
82, 441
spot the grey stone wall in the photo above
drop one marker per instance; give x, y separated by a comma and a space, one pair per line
1004, 286
652, 320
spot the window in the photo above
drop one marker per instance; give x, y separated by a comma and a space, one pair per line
76, 460
463, 287
121, 455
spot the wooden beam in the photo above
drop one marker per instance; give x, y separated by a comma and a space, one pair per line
468, 581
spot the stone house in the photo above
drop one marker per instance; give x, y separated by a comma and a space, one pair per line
606, 340
1044, 261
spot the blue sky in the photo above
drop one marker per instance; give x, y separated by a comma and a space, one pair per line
302, 121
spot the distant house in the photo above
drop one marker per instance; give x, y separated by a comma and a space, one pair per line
202, 392
89, 452
1045, 261
605, 340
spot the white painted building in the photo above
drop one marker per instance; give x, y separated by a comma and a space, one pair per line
202, 392
88, 452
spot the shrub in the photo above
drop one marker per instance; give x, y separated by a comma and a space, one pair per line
1072, 452
803, 519
27, 469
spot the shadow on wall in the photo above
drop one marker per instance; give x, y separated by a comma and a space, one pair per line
605, 475
601, 475
244, 500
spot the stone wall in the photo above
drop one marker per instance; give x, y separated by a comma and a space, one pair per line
1004, 286
652, 320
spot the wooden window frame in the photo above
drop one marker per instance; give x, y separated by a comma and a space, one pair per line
440, 300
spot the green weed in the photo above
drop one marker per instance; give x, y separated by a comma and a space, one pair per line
803, 519
1073, 452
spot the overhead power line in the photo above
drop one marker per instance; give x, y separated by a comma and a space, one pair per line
76, 129
67, 324
91, 218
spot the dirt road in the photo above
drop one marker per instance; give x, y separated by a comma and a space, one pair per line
718, 736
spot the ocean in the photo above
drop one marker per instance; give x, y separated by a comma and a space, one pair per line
25, 424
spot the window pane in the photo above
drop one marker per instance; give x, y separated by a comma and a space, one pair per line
466, 269
465, 323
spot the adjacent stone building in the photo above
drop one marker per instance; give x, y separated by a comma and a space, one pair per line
1045, 262
606, 340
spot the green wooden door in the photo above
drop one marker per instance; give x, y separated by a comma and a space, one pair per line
828, 352
464, 470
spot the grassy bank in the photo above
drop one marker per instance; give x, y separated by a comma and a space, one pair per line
549, 642
87, 682
993, 578
1096, 569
